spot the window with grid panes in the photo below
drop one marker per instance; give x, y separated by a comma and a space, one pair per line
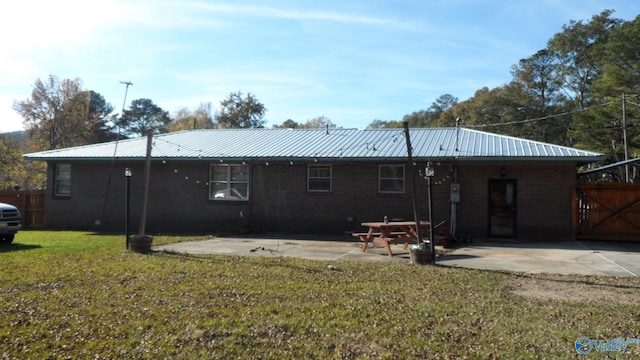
391, 179
229, 182
63, 180
319, 178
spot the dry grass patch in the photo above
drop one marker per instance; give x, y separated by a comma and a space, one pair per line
595, 289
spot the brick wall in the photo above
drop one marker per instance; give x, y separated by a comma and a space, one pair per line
543, 199
280, 202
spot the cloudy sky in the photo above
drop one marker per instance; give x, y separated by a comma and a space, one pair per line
351, 61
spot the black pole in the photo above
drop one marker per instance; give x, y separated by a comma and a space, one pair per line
413, 182
433, 247
147, 176
126, 210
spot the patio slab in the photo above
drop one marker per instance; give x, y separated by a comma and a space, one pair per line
568, 257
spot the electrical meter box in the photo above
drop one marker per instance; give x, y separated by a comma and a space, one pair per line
455, 193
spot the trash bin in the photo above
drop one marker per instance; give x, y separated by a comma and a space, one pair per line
421, 254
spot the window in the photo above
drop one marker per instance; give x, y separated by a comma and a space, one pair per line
229, 182
391, 179
319, 178
63, 180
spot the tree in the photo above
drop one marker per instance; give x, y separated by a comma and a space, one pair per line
143, 115
416, 119
384, 124
10, 162
428, 117
100, 123
621, 78
319, 122
288, 124
15, 170
490, 107
621, 61
441, 105
601, 127
540, 79
579, 50
200, 118
239, 112
61, 114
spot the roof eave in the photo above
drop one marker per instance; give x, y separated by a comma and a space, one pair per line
580, 160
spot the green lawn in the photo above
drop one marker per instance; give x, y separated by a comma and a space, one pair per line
81, 295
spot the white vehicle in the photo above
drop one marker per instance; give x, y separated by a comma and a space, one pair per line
9, 223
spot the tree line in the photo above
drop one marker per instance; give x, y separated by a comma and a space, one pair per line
582, 90
60, 114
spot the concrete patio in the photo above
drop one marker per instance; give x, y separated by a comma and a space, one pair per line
568, 257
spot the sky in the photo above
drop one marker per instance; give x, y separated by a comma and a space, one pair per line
351, 61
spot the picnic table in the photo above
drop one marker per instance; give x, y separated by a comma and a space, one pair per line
391, 232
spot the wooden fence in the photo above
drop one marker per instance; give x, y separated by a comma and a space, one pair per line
607, 211
30, 203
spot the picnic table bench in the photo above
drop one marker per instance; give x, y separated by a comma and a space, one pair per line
390, 233
386, 233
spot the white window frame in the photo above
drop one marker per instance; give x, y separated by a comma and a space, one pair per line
217, 192
312, 177
382, 179
62, 186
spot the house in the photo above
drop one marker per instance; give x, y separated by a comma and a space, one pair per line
323, 181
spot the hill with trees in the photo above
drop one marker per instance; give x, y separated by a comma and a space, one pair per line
582, 90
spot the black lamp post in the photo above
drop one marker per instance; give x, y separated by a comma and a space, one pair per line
429, 172
127, 175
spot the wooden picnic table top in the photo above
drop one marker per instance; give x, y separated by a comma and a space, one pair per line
377, 224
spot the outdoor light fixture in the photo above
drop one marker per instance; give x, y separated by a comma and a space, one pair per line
429, 172
503, 172
127, 175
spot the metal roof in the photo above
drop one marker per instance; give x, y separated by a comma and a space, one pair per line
437, 144
610, 166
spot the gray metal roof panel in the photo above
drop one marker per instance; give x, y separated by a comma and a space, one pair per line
347, 144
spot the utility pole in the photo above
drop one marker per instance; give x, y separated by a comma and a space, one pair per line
120, 122
126, 89
624, 137
416, 214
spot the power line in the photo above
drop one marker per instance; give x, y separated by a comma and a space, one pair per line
540, 118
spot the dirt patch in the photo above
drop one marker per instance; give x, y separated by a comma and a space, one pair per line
576, 288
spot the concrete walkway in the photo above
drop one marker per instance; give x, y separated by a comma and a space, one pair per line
570, 257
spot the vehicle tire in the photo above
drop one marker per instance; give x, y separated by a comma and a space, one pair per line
6, 239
